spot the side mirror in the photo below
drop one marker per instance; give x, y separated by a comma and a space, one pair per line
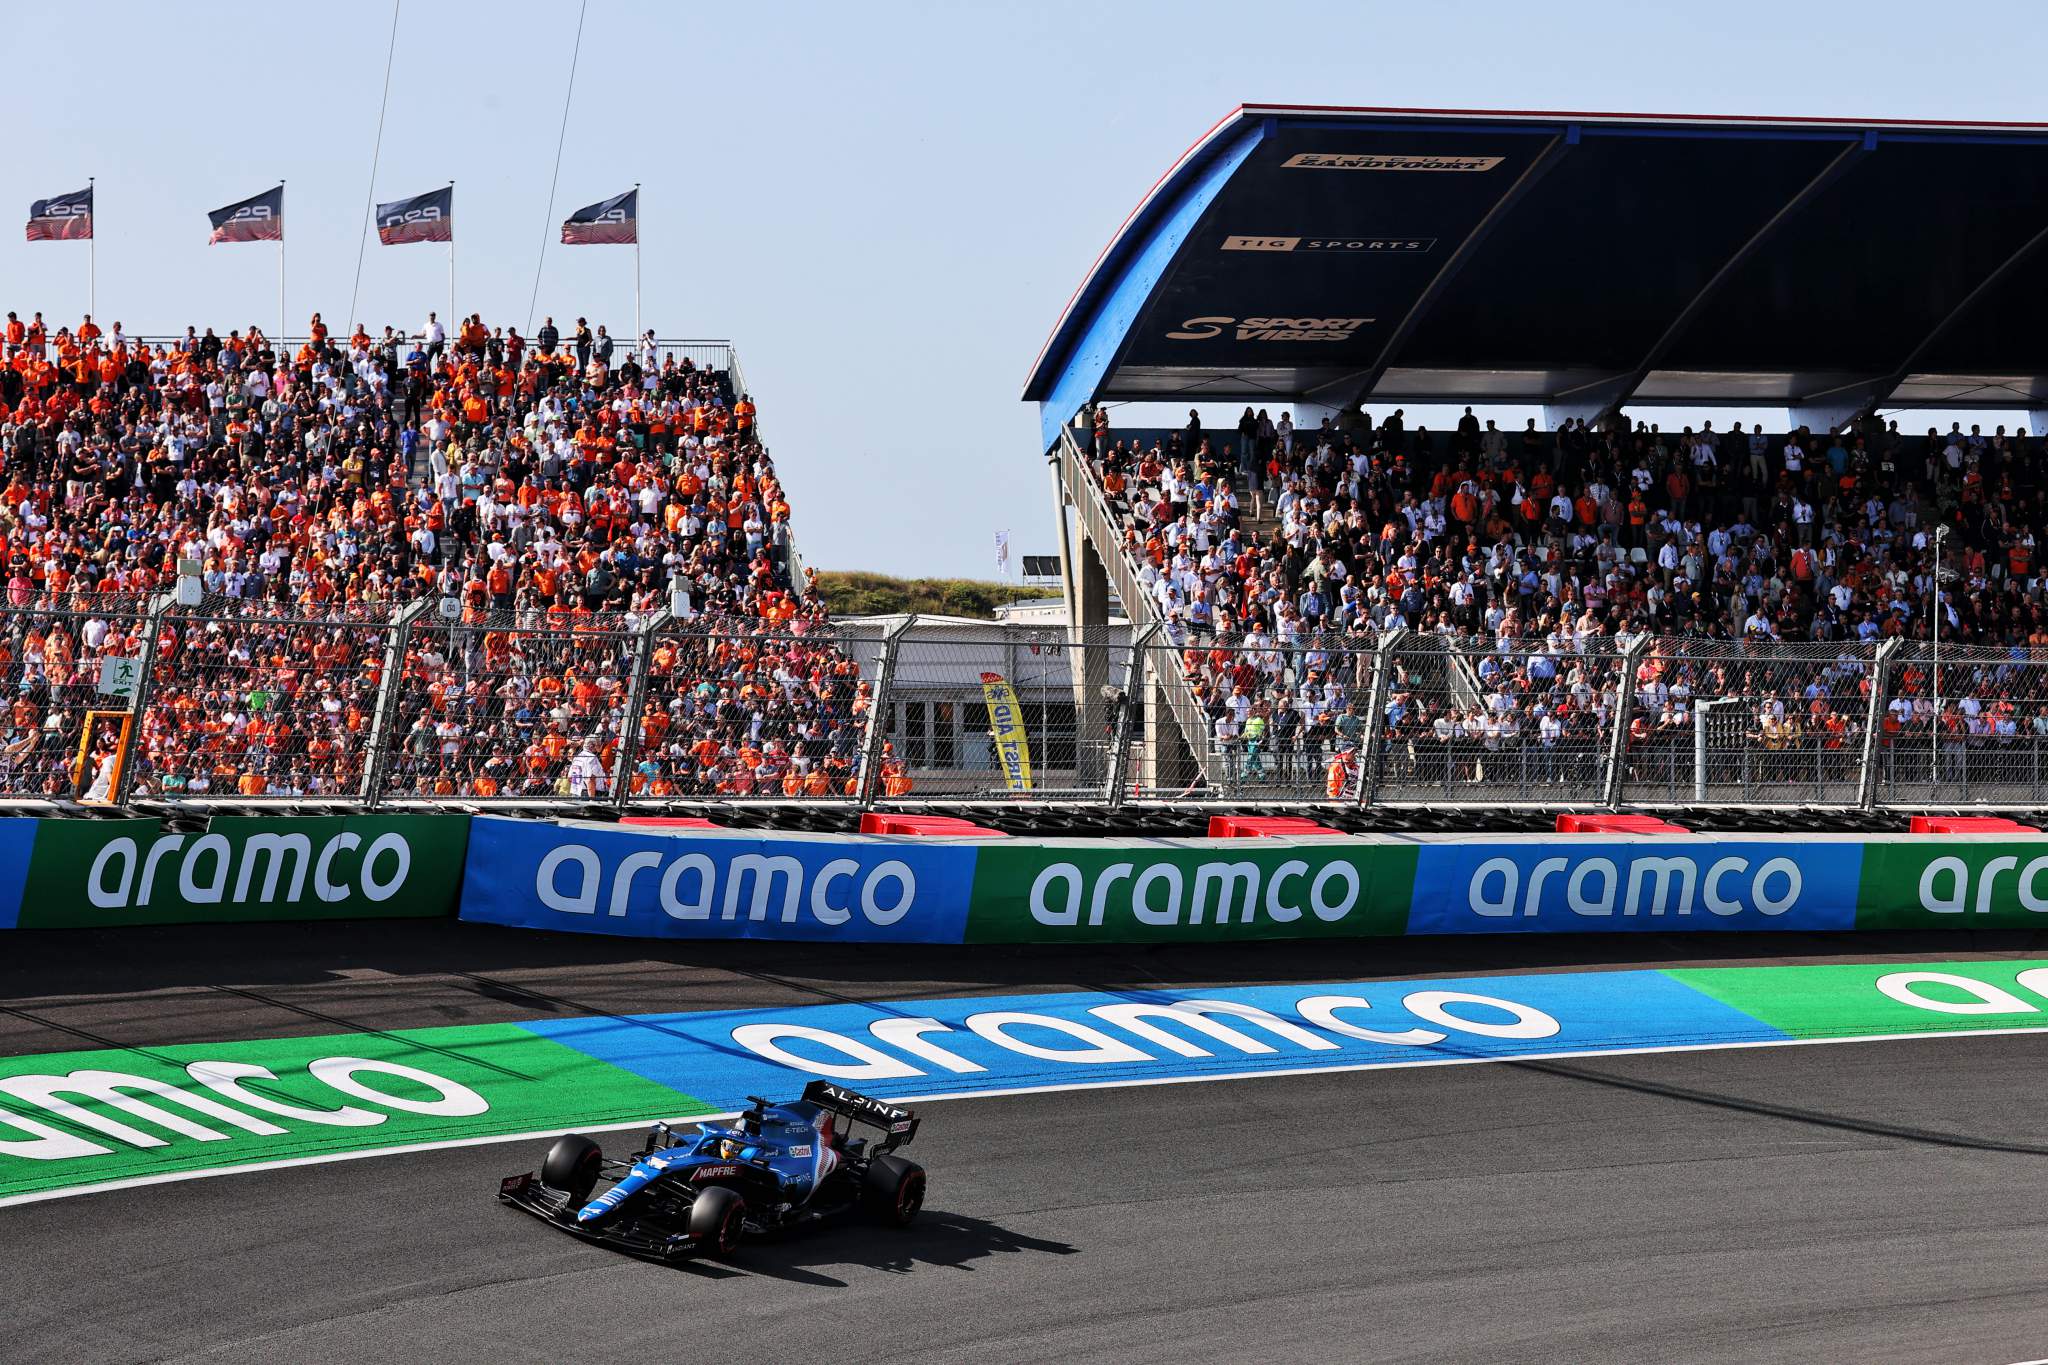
660, 1136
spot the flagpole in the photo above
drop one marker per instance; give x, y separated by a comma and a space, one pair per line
92, 249
636, 265
451, 258
280, 271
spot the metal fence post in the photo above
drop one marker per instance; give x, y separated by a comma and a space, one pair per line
152, 626
377, 748
1374, 744
871, 746
1120, 736
1880, 669
1624, 701
636, 700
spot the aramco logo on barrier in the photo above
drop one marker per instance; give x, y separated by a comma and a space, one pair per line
264, 868
571, 881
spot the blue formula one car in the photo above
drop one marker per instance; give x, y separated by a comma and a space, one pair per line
781, 1166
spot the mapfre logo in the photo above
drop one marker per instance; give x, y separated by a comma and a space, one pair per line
1387, 161
1270, 329
1248, 242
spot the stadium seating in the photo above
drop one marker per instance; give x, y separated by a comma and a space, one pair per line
1522, 564
541, 503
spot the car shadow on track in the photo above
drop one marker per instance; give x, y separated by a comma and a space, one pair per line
938, 1240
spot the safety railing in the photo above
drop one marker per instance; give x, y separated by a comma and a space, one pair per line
127, 700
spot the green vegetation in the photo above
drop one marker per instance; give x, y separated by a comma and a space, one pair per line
873, 594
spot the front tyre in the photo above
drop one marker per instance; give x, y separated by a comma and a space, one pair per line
718, 1217
572, 1166
895, 1190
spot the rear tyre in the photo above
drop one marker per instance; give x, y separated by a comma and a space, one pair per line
718, 1218
572, 1167
895, 1190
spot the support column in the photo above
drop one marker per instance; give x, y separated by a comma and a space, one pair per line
153, 628
1873, 717
878, 715
377, 747
1169, 767
1119, 757
1374, 744
636, 700
1624, 703
1088, 656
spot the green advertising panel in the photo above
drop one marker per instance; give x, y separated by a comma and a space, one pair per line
1137, 891
1865, 998
1954, 884
84, 1118
95, 873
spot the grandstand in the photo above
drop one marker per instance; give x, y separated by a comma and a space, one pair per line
501, 570
1593, 610
494, 570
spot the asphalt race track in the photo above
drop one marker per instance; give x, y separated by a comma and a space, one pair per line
1867, 1201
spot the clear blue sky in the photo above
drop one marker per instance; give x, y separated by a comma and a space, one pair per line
884, 206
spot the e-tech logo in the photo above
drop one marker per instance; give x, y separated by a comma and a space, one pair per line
1270, 329
1253, 242
1387, 161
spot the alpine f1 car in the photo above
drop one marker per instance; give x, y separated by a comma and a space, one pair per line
782, 1166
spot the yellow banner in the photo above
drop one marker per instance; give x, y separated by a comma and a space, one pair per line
1006, 728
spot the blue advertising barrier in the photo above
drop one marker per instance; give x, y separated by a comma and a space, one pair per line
1608, 885
596, 879
17, 844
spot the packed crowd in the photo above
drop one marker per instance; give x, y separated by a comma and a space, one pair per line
1279, 556
544, 496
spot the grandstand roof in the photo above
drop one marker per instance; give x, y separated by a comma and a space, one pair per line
1574, 260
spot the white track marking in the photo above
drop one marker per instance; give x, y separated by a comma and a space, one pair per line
244, 1168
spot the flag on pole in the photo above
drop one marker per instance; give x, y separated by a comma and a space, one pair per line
428, 217
1003, 552
609, 222
61, 218
259, 218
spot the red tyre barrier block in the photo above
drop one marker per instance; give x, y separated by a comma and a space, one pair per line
1616, 824
1968, 824
930, 826
1264, 827
670, 821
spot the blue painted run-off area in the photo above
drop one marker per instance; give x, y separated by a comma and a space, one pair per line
997, 1043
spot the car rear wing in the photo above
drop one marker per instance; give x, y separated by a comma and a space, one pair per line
898, 1125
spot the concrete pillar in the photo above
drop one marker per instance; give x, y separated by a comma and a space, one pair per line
1088, 655
1168, 767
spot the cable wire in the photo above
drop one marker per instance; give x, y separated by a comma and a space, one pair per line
376, 150
561, 139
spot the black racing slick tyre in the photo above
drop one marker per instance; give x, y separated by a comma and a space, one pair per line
718, 1217
895, 1190
572, 1167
